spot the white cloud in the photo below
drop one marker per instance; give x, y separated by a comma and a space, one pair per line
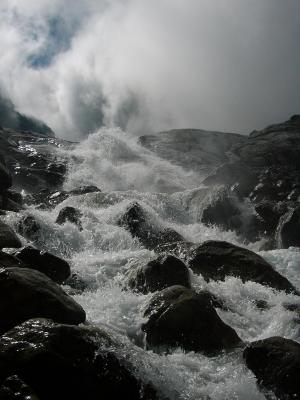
153, 65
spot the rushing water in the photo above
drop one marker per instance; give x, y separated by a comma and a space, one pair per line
102, 251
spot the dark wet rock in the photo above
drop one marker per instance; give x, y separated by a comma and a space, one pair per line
270, 213
84, 190
180, 317
79, 283
222, 209
217, 260
54, 267
5, 177
276, 364
69, 214
32, 160
164, 271
8, 238
236, 175
14, 388
9, 261
288, 231
29, 227
26, 293
70, 362
136, 221
46, 198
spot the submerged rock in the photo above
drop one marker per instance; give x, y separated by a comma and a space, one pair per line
217, 260
135, 220
164, 271
276, 364
8, 238
54, 267
180, 317
69, 214
26, 293
69, 362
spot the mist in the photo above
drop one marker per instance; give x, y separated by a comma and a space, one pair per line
151, 66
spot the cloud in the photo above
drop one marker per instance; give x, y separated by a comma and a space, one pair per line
149, 66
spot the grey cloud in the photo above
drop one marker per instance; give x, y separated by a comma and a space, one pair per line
149, 66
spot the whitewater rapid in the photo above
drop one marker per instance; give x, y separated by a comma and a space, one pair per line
102, 252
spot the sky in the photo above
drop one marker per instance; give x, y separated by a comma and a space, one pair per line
148, 66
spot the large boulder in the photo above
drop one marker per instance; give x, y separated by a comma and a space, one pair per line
157, 274
216, 260
8, 238
26, 293
276, 364
288, 231
54, 267
137, 222
181, 317
68, 362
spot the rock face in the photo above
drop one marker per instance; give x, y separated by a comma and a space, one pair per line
217, 260
54, 267
136, 222
26, 293
164, 271
180, 317
194, 149
69, 214
288, 232
8, 238
69, 362
276, 364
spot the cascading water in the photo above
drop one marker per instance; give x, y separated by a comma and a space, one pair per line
103, 251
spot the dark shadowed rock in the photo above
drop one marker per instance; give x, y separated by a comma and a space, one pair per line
217, 260
26, 293
234, 174
29, 227
8, 238
69, 214
288, 231
5, 177
136, 221
270, 213
9, 261
69, 362
14, 388
85, 190
164, 271
180, 317
54, 267
276, 364
222, 210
